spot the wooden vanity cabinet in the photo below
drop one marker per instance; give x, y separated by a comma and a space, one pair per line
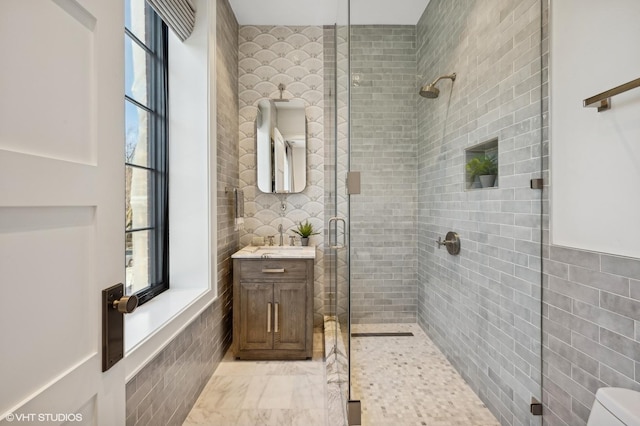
273, 308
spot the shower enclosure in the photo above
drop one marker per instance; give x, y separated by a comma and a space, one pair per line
337, 160
481, 307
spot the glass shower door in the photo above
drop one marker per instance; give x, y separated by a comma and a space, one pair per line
337, 206
481, 308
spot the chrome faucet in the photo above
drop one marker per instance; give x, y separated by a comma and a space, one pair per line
281, 231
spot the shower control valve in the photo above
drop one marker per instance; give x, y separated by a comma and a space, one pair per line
451, 241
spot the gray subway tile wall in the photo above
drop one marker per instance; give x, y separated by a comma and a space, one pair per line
589, 341
227, 151
164, 391
383, 149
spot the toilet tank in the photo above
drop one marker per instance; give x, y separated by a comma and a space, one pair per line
615, 407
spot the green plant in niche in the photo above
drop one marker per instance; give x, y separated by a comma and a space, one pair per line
305, 230
482, 165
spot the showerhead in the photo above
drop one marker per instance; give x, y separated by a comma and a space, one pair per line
431, 91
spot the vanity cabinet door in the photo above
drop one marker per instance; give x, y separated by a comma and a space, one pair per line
290, 321
273, 308
256, 327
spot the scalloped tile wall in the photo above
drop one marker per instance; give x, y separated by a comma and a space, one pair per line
293, 56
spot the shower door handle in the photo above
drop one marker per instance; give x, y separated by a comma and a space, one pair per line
335, 221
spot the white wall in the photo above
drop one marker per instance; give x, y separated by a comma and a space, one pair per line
595, 157
188, 156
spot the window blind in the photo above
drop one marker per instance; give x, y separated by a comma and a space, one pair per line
179, 15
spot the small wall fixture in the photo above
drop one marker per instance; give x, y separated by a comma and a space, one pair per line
431, 91
452, 242
602, 101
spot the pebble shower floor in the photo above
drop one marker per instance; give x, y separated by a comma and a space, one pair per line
408, 381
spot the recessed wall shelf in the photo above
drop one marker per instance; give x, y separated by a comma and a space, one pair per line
481, 165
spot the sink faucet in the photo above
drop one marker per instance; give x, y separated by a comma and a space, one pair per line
281, 231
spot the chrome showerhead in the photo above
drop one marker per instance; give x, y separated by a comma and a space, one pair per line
431, 91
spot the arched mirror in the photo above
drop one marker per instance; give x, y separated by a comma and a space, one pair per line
281, 146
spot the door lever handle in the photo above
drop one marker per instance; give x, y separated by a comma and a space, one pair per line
114, 304
126, 304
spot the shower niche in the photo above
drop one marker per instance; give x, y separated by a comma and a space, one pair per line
481, 165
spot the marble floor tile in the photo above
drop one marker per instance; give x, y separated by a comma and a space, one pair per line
309, 392
277, 393
290, 417
225, 392
199, 417
256, 390
252, 393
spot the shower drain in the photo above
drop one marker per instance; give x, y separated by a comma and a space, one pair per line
404, 334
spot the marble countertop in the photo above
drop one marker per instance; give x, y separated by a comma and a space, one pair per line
275, 252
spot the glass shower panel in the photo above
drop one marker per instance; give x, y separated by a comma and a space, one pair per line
342, 267
481, 308
337, 206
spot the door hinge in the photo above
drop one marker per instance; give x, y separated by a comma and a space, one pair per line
537, 183
354, 412
535, 407
353, 183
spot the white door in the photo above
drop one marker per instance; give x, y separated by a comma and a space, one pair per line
61, 207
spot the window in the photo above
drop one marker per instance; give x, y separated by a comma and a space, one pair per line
146, 152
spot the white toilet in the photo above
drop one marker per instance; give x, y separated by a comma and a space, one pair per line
615, 407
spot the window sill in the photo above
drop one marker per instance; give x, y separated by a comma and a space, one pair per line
154, 314
155, 324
